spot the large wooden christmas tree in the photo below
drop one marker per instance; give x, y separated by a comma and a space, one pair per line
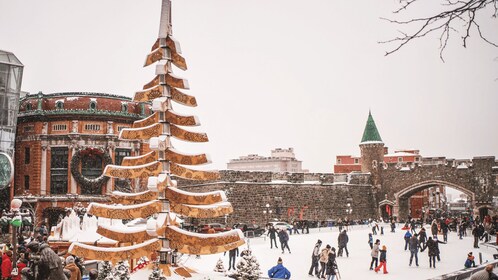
162, 236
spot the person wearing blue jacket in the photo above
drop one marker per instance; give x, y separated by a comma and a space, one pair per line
408, 235
279, 271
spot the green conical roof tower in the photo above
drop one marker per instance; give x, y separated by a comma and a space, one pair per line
371, 134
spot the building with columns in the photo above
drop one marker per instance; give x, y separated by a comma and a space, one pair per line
63, 143
281, 160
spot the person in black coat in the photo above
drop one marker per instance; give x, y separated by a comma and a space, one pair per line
232, 254
444, 229
437, 249
343, 240
422, 236
284, 239
331, 265
433, 251
272, 232
475, 233
434, 228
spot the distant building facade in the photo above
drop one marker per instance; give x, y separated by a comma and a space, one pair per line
64, 141
281, 160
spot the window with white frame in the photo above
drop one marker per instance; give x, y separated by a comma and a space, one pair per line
92, 127
59, 127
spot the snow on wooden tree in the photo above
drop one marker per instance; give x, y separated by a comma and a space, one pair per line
105, 271
247, 267
161, 236
121, 271
157, 273
219, 266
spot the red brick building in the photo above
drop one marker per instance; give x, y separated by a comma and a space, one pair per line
63, 142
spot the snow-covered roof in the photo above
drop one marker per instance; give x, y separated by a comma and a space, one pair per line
372, 142
401, 154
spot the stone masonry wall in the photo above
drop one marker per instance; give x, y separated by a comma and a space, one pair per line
287, 200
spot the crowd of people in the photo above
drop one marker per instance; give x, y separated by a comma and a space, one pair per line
418, 237
35, 260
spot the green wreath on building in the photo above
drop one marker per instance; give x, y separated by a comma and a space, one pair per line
89, 184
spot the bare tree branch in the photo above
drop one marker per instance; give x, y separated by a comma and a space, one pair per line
404, 5
445, 22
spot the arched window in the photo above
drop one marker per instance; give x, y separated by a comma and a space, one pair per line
29, 107
59, 105
124, 107
93, 105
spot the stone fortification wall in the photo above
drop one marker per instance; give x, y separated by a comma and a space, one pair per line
317, 196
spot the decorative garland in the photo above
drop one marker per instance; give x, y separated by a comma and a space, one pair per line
90, 184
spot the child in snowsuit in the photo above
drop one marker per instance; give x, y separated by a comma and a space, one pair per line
370, 240
383, 260
470, 261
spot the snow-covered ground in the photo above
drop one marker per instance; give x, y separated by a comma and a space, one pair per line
453, 256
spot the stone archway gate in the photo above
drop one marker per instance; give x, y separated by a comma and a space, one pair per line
477, 177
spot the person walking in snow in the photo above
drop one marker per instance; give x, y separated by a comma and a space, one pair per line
413, 226
422, 237
370, 240
461, 230
434, 228
475, 233
339, 223
375, 254
284, 239
295, 227
324, 258
279, 271
437, 248
343, 240
383, 260
375, 226
315, 257
331, 265
414, 245
272, 232
232, 254
444, 229
432, 251
407, 237
393, 226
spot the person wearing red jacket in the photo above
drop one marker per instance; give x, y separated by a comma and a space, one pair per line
6, 265
20, 265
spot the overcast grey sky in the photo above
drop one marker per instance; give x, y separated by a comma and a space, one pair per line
271, 73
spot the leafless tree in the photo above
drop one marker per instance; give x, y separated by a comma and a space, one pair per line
458, 16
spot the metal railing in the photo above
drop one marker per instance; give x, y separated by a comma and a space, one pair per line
464, 273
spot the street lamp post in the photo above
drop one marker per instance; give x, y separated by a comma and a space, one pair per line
267, 211
15, 220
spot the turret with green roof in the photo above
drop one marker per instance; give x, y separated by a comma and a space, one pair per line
371, 134
372, 149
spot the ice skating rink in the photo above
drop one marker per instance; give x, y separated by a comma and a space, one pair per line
453, 256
